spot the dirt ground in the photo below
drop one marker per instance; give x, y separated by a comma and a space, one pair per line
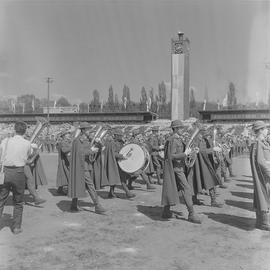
133, 236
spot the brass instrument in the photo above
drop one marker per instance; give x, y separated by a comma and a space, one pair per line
40, 125
97, 140
191, 158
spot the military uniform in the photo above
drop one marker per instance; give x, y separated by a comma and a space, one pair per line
114, 173
81, 172
63, 169
175, 180
260, 167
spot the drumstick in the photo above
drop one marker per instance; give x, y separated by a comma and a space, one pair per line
128, 153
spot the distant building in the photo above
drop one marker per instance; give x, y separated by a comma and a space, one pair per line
228, 116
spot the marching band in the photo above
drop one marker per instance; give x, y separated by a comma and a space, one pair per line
185, 161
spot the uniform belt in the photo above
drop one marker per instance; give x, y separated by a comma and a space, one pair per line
13, 167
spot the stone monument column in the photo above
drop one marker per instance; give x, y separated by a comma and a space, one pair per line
180, 78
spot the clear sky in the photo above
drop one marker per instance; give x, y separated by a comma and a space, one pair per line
87, 45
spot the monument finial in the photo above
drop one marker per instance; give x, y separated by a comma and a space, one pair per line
180, 35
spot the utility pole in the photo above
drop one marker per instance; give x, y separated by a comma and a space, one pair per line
48, 81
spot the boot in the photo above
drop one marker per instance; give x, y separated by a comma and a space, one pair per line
99, 209
74, 205
223, 185
196, 201
194, 218
111, 194
264, 225
147, 181
38, 200
129, 185
128, 193
159, 182
17, 230
61, 191
166, 212
213, 197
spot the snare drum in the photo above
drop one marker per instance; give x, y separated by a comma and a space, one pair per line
137, 158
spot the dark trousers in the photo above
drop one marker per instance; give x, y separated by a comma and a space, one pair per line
184, 187
90, 187
156, 163
14, 182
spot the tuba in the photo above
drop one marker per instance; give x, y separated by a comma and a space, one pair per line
98, 141
40, 125
191, 158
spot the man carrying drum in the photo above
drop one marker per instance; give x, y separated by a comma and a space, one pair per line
144, 174
174, 177
115, 175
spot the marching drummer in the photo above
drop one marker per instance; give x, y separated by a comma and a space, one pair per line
145, 175
115, 175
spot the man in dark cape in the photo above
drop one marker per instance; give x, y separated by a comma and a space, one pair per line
260, 167
174, 176
99, 175
31, 183
114, 173
203, 174
81, 170
63, 173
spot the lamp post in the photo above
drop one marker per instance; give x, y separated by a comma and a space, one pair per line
48, 81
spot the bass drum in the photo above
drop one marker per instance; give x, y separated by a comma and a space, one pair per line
137, 158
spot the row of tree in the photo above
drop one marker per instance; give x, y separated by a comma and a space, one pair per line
149, 101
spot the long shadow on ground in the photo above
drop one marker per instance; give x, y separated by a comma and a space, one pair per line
245, 181
104, 195
54, 192
242, 223
245, 186
155, 212
245, 195
249, 176
242, 205
64, 205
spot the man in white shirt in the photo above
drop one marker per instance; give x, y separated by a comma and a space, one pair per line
15, 151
